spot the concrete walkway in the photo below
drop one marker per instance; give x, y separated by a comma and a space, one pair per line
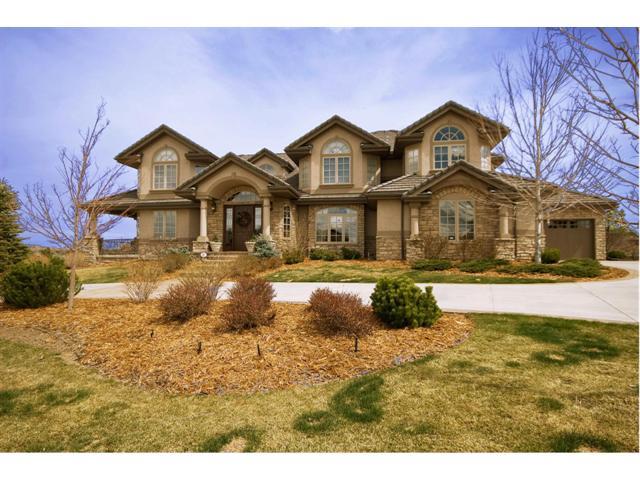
609, 301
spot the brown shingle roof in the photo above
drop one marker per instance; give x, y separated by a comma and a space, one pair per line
387, 136
399, 185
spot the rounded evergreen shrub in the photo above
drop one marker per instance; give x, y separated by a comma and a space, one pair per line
264, 247
350, 253
550, 255
36, 284
295, 255
431, 265
399, 303
579, 268
616, 255
316, 254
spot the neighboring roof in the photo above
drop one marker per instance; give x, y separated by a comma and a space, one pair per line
124, 156
387, 136
307, 198
397, 186
281, 158
451, 106
300, 145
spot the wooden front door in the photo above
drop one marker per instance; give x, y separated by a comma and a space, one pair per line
240, 226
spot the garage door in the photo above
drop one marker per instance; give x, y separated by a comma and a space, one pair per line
574, 238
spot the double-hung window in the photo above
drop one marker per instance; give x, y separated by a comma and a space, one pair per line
164, 225
336, 163
457, 219
165, 169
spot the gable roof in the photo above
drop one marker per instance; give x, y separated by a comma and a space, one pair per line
300, 145
265, 152
397, 186
452, 106
198, 151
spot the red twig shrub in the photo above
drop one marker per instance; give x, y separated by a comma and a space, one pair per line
249, 304
191, 296
340, 313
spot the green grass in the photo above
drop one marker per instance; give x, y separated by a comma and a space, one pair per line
494, 392
102, 274
370, 273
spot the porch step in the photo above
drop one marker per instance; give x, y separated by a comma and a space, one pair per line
225, 257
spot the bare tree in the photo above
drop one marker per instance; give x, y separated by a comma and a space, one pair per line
69, 214
604, 66
545, 157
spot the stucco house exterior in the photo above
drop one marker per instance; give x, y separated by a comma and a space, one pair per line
431, 188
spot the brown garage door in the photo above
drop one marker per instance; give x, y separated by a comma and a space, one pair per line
574, 238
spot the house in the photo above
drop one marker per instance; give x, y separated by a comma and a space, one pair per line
430, 189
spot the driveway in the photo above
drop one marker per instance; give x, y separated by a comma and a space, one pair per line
609, 301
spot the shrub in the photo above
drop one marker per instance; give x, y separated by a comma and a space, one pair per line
249, 304
36, 284
550, 255
174, 259
142, 280
294, 255
431, 265
264, 247
340, 313
400, 303
247, 265
323, 254
191, 296
579, 268
330, 256
616, 255
478, 266
350, 253
316, 253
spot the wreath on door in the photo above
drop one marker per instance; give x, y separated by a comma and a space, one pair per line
243, 219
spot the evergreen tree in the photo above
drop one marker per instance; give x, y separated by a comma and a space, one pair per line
12, 250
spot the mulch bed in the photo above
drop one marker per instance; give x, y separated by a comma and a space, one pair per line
131, 342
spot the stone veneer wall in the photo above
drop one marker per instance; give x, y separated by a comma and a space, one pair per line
214, 221
277, 224
150, 248
389, 246
336, 246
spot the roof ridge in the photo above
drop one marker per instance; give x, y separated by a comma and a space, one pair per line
388, 182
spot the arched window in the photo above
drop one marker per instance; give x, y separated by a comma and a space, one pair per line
165, 169
243, 197
337, 225
336, 163
449, 147
267, 167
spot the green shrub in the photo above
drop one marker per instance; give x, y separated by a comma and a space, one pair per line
350, 253
323, 254
479, 266
616, 255
316, 253
264, 248
294, 255
579, 268
431, 265
174, 259
330, 256
550, 255
36, 284
398, 302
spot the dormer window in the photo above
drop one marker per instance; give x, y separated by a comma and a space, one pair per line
336, 163
267, 167
165, 169
449, 147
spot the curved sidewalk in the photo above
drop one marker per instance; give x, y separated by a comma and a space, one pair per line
609, 301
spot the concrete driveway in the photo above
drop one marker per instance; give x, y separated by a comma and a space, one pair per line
608, 301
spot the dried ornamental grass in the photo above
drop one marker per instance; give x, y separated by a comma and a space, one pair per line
142, 280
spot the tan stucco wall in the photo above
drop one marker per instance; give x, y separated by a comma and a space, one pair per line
228, 177
277, 168
187, 223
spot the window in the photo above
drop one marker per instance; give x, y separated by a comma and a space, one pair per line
267, 167
199, 168
372, 171
485, 158
449, 147
165, 169
337, 225
286, 221
243, 197
457, 219
257, 223
164, 225
336, 163
304, 174
228, 223
412, 161
571, 224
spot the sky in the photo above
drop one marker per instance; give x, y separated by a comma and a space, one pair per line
228, 89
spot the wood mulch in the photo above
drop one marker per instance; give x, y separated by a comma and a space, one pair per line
131, 342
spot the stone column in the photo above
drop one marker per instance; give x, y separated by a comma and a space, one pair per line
203, 222
266, 217
415, 221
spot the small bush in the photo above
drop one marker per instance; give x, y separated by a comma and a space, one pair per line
174, 259
400, 303
340, 313
264, 247
479, 266
350, 253
316, 253
249, 304
323, 254
551, 255
142, 280
36, 284
616, 255
578, 268
431, 265
191, 296
294, 255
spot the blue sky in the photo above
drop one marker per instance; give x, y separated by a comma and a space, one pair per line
229, 89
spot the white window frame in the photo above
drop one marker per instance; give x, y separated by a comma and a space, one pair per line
160, 181
412, 157
162, 224
341, 223
336, 162
449, 146
456, 219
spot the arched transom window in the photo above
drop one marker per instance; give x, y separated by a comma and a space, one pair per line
336, 163
165, 169
449, 147
243, 197
337, 225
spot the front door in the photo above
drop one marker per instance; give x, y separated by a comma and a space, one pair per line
240, 226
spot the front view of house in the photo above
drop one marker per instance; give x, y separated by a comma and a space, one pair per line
430, 189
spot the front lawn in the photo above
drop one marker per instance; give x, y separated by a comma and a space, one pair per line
518, 383
102, 274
